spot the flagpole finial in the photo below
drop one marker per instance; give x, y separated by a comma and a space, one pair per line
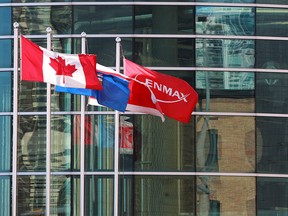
48, 30
83, 34
118, 39
16, 24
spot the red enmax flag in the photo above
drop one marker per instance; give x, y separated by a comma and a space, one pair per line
67, 70
174, 97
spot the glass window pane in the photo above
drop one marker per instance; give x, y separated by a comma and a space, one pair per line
98, 195
65, 197
225, 53
225, 20
271, 2
268, 57
61, 149
5, 143
272, 21
225, 144
6, 56
158, 146
271, 92
157, 195
272, 196
154, 19
5, 191
5, 91
35, 20
225, 92
272, 147
163, 52
102, 19
226, 195
6, 21
99, 141
32, 143
31, 195
228, 1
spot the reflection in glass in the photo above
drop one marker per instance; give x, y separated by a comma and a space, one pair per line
31, 195
268, 58
6, 56
5, 191
220, 195
225, 91
272, 148
98, 196
157, 195
157, 145
154, 19
65, 198
225, 144
225, 20
5, 143
271, 21
225, 53
271, 92
272, 196
99, 141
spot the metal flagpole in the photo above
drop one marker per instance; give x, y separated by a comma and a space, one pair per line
82, 138
116, 146
48, 134
15, 121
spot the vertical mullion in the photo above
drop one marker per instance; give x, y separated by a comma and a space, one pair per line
82, 138
15, 122
48, 133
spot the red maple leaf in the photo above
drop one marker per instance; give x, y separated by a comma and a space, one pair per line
58, 64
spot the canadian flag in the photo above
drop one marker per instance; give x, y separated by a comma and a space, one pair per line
164, 94
67, 70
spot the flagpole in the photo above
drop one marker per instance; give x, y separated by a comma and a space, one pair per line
48, 133
15, 121
116, 146
82, 138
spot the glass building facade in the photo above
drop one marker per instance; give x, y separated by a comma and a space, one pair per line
231, 159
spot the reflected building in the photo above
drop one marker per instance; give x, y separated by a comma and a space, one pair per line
231, 159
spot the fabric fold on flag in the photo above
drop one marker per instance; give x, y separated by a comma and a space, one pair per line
114, 94
68, 70
171, 96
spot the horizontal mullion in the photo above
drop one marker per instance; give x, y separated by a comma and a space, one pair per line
140, 3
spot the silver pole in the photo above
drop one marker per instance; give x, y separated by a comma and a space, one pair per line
15, 121
82, 138
48, 134
116, 146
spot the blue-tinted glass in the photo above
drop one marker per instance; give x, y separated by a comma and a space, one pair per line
5, 53
271, 2
225, 20
102, 19
272, 21
5, 191
228, 1
5, 20
5, 91
271, 92
5, 143
225, 53
272, 196
272, 145
155, 19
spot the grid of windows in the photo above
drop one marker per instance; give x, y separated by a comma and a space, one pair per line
231, 159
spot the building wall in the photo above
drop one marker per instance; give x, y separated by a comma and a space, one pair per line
231, 159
